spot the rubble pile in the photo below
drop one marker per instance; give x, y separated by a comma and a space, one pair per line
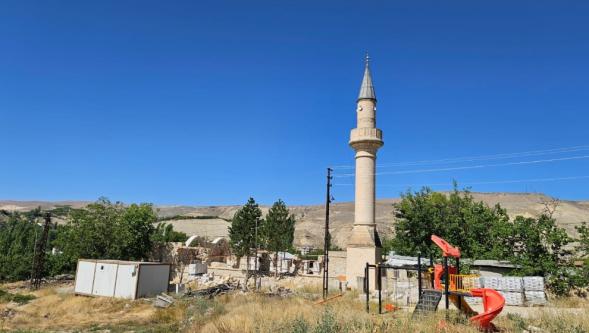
211, 292
280, 292
163, 301
7, 313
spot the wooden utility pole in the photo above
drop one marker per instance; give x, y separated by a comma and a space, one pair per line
39, 254
256, 254
327, 240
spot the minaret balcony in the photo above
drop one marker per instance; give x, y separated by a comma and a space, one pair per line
366, 135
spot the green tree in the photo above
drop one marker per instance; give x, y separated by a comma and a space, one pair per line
536, 245
105, 230
583, 241
17, 238
582, 249
165, 233
472, 226
278, 230
136, 228
242, 232
539, 247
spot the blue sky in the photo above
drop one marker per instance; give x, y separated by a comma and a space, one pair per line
209, 102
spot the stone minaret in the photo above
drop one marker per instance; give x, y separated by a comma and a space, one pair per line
364, 244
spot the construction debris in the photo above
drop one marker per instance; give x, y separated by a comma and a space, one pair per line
163, 301
7, 313
64, 277
211, 292
280, 292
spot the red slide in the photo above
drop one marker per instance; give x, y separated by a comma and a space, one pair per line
493, 303
449, 250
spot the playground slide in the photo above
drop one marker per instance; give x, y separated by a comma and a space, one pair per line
493, 304
464, 307
448, 249
493, 301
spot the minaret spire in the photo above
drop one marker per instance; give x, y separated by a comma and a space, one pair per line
367, 88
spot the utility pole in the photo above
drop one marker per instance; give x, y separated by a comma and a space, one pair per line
327, 237
256, 261
39, 254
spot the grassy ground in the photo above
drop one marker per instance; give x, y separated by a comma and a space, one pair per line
57, 309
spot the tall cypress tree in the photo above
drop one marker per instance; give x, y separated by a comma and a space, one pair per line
279, 229
242, 232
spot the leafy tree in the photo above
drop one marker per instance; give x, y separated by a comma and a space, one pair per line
278, 230
136, 229
242, 232
536, 245
105, 230
582, 279
388, 245
539, 247
17, 239
456, 217
101, 230
165, 233
583, 246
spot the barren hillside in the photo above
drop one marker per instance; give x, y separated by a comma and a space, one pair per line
310, 219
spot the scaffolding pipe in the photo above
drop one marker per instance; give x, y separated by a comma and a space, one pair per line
419, 283
446, 282
366, 274
459, 281
379, 283
431, 264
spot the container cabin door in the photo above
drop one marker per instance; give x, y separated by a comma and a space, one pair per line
104, 279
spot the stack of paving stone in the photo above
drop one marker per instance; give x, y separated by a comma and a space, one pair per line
534, 290
512, 288
475, 283
517, 291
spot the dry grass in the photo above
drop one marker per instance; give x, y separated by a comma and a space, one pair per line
256, 313
52, 311
55, 309
569, 302
551, 320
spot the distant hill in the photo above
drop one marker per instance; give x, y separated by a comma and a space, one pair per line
310, 219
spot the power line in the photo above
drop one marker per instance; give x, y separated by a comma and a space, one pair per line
513, 181
481, 166
478, 158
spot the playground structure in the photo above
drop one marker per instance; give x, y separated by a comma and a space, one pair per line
445, 281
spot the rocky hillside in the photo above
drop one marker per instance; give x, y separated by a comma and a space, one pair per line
310, 219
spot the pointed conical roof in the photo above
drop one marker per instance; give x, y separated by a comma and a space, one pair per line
367, 89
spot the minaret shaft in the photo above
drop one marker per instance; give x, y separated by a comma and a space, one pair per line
366, 139
364, 208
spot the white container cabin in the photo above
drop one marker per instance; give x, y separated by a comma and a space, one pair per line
121, 279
